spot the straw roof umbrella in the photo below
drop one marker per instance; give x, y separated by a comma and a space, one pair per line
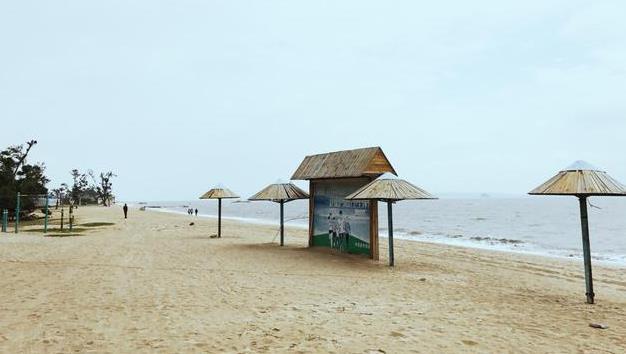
219, 193
280, 193
390, 189
582, 180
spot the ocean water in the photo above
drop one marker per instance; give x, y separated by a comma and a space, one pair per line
536, 225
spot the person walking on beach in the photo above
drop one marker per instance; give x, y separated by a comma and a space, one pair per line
196, 211
125, 208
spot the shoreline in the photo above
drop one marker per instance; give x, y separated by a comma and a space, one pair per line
433, 239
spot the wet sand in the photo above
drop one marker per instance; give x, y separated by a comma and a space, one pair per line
153, 283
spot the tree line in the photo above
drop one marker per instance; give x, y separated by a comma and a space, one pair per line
17, 175
86, 188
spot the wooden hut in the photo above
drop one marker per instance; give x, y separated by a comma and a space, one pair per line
347, 226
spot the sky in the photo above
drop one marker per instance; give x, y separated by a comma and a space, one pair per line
178, 96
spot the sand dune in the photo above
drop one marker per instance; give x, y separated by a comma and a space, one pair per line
153, 283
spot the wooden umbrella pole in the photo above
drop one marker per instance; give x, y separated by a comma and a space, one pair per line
584, 220
282, 222
219, 217
390, 222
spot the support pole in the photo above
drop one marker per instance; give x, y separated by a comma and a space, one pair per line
45, 220
390, 222
5, 219
70, 219
282, 222
584, 220
17, 212
219, 217
61, 218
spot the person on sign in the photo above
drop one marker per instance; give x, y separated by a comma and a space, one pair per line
344, 231
332, 230
125, 208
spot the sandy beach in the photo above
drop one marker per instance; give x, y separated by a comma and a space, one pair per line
154, 283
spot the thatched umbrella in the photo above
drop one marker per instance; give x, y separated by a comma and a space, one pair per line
389, 188
582, 180
219, 193
280, 193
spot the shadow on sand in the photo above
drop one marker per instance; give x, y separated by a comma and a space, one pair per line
64, 235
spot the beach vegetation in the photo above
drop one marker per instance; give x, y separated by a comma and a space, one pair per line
79, 186
60, 194
81, 192
17, 175
103, 186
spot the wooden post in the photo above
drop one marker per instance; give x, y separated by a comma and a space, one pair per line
390, 222
5, 219
45, 222
17, 213
311, 211
61, 218
584, 220
282, 222
219, 217
374, 229
70, 219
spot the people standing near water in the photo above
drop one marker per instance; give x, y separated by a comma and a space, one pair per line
125, 208
196, 211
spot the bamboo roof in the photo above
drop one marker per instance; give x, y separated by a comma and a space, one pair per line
342, 164
280, 191
219, 193
581, 179
390, 188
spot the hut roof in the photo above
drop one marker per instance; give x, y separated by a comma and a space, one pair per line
219, 193
581, 179
280, 191
389, 187
342, 164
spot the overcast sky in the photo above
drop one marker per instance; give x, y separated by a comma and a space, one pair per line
178, 96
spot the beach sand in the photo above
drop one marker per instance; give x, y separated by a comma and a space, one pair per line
153, 283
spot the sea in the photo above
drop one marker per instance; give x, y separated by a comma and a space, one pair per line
547, 226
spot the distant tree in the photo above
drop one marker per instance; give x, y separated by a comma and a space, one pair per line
20, 157
18, 176
90, 195
103, 186
65, 191
78, 187
58, 195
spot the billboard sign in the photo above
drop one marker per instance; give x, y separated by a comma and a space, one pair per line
338, 223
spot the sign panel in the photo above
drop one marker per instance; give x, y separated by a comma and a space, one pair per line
338, 223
